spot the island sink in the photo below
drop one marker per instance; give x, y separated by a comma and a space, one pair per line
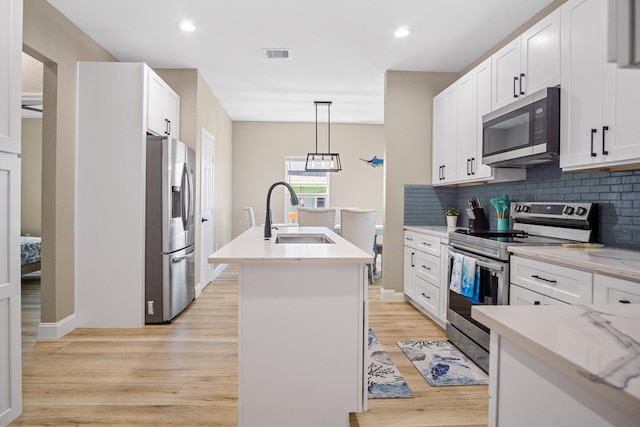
303, 238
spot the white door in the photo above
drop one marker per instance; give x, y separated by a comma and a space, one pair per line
10, 329
207, 154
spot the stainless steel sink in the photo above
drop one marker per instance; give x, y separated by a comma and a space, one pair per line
303, 238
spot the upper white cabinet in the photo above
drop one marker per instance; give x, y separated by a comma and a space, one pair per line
445, 135
599, 102
529, 63
163, 107
457, 132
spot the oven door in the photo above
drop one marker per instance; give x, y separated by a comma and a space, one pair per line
466, 333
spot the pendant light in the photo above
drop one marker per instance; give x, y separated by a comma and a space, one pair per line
323, 162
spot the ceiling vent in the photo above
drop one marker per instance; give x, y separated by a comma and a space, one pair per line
277, 53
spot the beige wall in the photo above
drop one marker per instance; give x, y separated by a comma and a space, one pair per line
52, 39
407, 118
259, 150
31, 177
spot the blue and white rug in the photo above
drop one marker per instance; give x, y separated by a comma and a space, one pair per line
440, 363
384, 380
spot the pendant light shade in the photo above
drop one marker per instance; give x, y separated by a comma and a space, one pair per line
328, 161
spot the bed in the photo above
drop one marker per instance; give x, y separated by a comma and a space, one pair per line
30, 253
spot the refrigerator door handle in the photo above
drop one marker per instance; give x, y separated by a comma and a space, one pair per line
180, 258
186, 197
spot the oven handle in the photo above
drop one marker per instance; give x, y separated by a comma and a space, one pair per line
487, 265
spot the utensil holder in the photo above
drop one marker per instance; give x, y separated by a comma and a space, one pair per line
503, 224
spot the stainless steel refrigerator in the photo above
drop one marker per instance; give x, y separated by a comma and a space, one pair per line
170, 229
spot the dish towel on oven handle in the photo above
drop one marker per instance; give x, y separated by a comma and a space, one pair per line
470, 286
456, 273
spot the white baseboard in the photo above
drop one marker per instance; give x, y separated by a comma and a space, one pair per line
216, 272
391, 295
53, 331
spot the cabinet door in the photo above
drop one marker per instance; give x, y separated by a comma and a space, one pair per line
451, 134
428, 296
409, 273
438, 147
621, 143
505, 69
467, 127
482, 87
427, 267
611, 290
521, 296
10, 74
163, 107
585, 80
540, 56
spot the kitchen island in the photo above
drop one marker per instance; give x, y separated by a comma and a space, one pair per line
566, 365
302, 326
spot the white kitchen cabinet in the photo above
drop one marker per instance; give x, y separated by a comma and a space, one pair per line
565, 284
10, 178
528, 63
522, 296
110, 194
423, 278
599, 101
163, 107
611, 290
445, 129
457, 132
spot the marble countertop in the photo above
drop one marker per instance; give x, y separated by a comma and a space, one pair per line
598, 345
621, 263
251, 247
441, 231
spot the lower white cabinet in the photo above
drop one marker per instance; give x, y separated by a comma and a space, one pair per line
423, 281
611, 290
565, 284
522, 296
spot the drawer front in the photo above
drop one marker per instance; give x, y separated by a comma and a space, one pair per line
427, 267
428, 296
610, 290
562, 283
409, 239
428, 244
521, 296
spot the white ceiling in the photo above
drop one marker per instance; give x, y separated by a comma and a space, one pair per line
340, 48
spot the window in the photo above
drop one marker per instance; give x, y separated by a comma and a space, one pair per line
312, 188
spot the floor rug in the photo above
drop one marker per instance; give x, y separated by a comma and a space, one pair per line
441, 364
384, 380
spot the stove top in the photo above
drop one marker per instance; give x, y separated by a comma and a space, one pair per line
534, 223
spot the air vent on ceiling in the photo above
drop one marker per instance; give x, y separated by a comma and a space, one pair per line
277, 53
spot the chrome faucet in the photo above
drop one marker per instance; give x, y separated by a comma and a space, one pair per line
267, 220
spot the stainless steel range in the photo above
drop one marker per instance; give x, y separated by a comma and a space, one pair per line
534, 223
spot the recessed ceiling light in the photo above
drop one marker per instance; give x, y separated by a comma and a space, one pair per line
401, 32
187, 26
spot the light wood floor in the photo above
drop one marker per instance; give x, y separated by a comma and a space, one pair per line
185, 373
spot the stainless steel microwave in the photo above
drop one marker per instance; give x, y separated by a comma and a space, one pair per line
524, 133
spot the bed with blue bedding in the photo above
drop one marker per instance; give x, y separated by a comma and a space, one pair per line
30, 253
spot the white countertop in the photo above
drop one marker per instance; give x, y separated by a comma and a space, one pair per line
251, 247
597, 346
440, 231
610, 261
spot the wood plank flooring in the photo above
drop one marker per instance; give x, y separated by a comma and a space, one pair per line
186, 373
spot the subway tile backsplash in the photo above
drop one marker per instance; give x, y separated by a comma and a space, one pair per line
616, 193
